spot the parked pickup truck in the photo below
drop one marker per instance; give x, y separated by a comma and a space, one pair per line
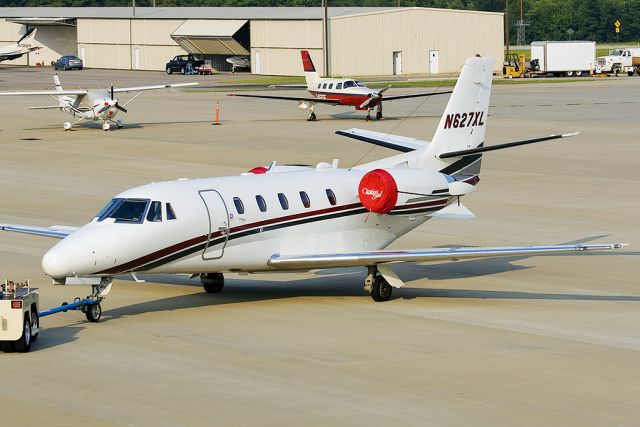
183, 64
620, 61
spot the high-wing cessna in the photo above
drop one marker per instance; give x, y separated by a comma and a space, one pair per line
346, 92
19, 48
99, 105
295, 218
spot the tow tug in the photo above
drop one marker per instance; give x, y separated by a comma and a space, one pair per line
20, 318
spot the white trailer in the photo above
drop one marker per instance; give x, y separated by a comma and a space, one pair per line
19, 322
568, 58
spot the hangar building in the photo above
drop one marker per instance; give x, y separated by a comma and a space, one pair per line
360, 42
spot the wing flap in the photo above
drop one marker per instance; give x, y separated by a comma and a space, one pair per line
394, 142
55, 231
359, 259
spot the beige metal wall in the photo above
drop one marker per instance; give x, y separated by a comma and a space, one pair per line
364, 44
278, 43
55, 41
112, 43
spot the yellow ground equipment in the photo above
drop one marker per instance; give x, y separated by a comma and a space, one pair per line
513, 66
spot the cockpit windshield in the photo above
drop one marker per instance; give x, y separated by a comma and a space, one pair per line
359, 83
349, 83
616, 52
124, 210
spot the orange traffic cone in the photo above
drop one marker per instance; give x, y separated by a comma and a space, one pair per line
217, 122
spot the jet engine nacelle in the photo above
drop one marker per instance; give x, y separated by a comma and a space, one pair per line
381, 190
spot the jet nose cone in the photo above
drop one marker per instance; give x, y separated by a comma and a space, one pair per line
55, 264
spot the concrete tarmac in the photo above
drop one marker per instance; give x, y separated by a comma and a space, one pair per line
518, 341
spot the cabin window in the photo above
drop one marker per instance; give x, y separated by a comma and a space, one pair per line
338, 85
155, 212
304, 197
319, 85
239, 205
331, 196
283, 201
330, 85
261, 203
129, 210
324, 85
170, 213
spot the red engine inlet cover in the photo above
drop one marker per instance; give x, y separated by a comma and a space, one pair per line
378, 191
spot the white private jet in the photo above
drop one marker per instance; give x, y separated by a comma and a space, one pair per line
91, 104
295, 218
19, 48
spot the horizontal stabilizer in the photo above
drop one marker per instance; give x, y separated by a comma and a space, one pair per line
394, 142
471, 151
45, 107
363, 259
454, 211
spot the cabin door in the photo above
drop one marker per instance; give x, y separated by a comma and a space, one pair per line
217, 226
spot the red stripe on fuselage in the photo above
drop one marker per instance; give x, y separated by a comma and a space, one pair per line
345, 99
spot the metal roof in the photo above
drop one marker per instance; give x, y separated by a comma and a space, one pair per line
275, 13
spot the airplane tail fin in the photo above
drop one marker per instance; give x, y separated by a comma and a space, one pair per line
464, 121
30, 34
310, 73
56, 81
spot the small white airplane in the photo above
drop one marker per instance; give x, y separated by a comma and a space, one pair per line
98, 105
239, 62
19, 48
346, 92
296, 218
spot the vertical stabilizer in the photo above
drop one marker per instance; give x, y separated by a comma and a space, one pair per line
464, 121
310, 73
56, 82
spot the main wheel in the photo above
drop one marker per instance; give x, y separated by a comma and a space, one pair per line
8, 346
169, 70
378, 115
23, 344
212, 283
94, 312
312, 117
629, 73
578, 73
381, 290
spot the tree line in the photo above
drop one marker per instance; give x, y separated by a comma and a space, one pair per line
545, 19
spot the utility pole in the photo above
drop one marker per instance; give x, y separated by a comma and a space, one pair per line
134, 7
506, 25
326, 37
521, 28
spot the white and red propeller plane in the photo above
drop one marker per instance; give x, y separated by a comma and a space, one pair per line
99, 105
345, 92
295, 218
19, 48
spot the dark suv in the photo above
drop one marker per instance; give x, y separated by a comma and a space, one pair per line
68, 62
183, 64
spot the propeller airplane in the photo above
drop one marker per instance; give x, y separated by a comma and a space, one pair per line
297, 218
346, 92
99, 105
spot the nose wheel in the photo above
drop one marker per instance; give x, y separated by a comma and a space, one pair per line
212, 282
93, 312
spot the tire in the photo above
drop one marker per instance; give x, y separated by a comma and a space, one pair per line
213, 283
381, 290
23, 344
568, 73
8, 346
378, 115
66, 68
80, 68
630, 73
35, 324
169, 71
94, 313
578, 74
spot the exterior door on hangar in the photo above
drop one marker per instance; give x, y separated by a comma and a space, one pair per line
433, 62
217, 225
397, 63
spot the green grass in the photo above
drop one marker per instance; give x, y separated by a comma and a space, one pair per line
269, 80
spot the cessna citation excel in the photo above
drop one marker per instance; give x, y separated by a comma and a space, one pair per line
293, 217
19, 48
346, 92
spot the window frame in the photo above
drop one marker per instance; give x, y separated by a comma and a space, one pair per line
238, 201
159, 210
305, 199
284, 202
262, 206
331, 196
126, 221
168, 208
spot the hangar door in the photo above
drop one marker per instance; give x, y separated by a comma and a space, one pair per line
214, 40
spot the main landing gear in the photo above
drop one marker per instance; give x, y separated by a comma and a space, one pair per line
312, 115
378, 113
212, 282
377, 286
107, 126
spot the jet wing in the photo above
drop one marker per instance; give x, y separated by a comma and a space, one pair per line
154, 87
78, 92
290, 98
415, 95
363, 259
55, 231
394, 142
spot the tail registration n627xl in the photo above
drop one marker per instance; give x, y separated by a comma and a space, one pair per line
464, 120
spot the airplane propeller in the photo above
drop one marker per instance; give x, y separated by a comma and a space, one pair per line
374, 97
109, 105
